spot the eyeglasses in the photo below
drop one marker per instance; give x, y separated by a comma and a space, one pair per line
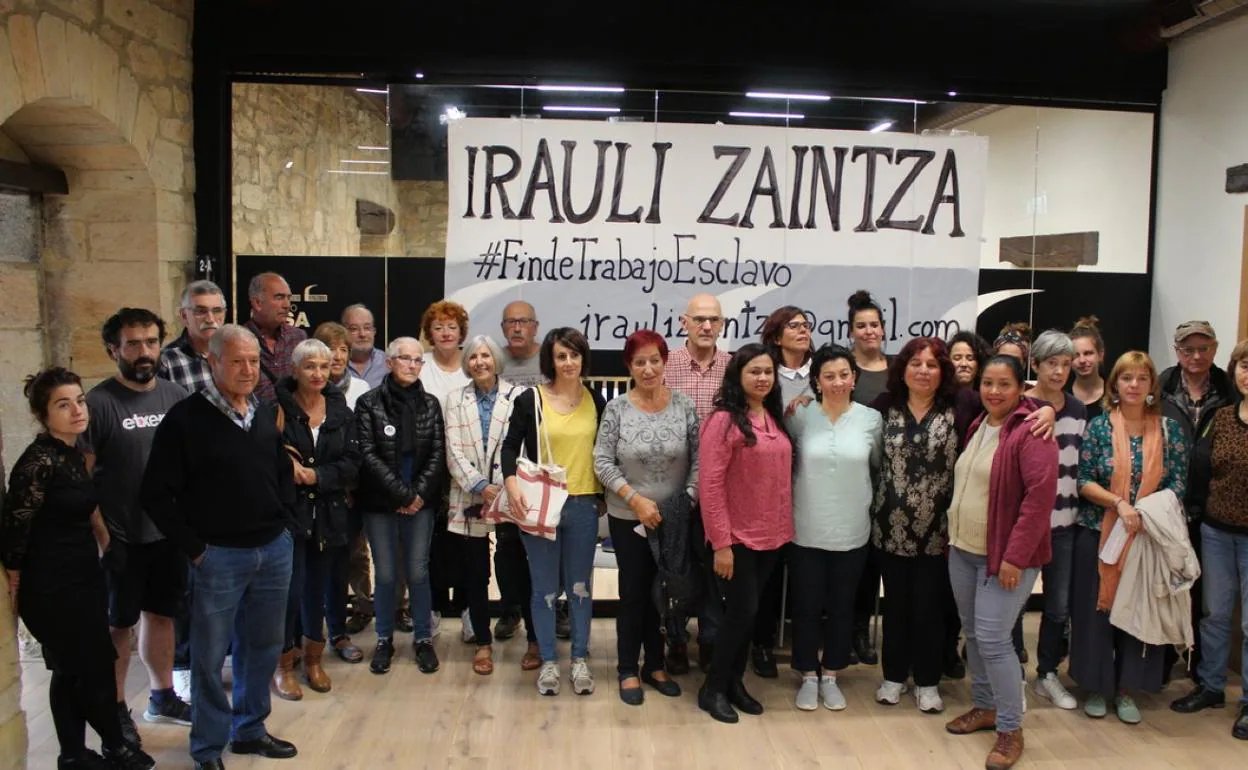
518, 321
703, 320
408, 360
1191, 350
794, 326
204, 312
356, 328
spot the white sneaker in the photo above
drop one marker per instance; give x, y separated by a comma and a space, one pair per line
929, 700
833, 698
1051, 689
808, 694
890, 693
466, 633
1022, 692
435, 625
582, 678
548, 679
182, 685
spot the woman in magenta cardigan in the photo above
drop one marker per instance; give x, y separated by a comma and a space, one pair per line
1005, 484
745, 486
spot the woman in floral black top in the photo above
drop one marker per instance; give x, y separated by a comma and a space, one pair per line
51, 537
908, 527
1105, 661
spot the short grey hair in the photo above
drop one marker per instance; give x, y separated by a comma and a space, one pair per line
392, 349
200, 289
356, 306
228, 333
1052, 343
255, 287
495, 352
309, 348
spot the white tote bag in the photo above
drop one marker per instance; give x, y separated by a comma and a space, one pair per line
544, 486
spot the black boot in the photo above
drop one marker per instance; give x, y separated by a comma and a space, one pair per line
1198, 700
738, 697
716, 704
863, 649
706, 651
763, 659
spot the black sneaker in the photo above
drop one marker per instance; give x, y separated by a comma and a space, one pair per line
87, 760
1240, 730
127, 757
426, 657
1198, 700
129, 730
383, 653
507, 625
174, 711
403, 621
563, 622
764, 662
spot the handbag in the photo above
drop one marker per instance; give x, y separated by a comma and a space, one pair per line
544, 486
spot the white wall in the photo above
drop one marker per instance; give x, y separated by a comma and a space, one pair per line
1066, 171
1200, 228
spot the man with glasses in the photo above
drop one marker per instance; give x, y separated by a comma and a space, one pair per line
520, 353
1191, 392
185, 360
368, 362
697, 370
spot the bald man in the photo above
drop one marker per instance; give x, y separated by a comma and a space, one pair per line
520, 361
697, 369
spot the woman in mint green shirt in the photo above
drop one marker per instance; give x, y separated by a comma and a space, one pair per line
838, 443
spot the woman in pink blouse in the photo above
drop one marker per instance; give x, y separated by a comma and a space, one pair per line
745, 485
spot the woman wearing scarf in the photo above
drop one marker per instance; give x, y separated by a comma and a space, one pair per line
403, 443
1129, 452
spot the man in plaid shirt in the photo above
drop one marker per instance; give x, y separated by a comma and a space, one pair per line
269, 295
697, 370
185, 360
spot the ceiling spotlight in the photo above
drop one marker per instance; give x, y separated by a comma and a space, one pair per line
783, 95
878, 127
577, 108
953, 93
420, 76
775, 115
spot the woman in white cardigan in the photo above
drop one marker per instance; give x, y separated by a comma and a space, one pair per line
476, 423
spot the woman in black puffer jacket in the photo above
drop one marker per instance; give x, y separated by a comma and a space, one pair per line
404, 471
319, 433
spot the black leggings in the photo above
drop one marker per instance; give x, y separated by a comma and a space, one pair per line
78, 699
637, 624
750, 571
473, 585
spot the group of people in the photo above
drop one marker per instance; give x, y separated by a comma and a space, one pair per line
233, 492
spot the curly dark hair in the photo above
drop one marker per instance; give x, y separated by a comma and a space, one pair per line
731, 396
979, 348
110, 332
825, 355
946, 391
39, 387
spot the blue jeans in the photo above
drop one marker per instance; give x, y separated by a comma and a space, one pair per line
570, 555
309, 580
240, 597
988, 612
1224, 562
416, 530
1057, 576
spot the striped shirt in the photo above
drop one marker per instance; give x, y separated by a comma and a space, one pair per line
1068, 432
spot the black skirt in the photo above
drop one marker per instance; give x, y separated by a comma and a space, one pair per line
70, 623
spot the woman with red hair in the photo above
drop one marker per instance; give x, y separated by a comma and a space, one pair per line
646, 456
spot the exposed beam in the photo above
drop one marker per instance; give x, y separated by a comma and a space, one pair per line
32, 177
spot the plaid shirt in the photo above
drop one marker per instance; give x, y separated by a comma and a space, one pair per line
218, 399
1194, 408
180, 364
276, 363
682, 373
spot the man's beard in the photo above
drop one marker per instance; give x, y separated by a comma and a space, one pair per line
133, 372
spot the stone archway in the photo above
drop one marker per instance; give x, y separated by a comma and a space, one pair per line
93, 96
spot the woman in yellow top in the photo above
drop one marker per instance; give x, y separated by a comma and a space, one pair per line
570, 414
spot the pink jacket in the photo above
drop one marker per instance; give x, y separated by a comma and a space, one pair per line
746, 493
1021, 490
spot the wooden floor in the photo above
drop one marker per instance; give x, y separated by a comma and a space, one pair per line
456, 719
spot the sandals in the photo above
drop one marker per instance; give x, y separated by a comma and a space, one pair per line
483, 661
532, 659
344, 649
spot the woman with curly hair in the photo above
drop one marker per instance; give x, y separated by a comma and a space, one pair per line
445, 326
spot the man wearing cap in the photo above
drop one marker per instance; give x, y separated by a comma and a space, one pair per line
1191, 392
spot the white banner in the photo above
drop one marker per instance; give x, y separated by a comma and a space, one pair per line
610, 227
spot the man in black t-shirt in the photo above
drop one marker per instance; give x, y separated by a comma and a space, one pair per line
146, 574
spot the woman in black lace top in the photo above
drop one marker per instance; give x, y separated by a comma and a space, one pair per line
51, 537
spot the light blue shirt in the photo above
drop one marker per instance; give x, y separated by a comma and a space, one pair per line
374, 370
832, 482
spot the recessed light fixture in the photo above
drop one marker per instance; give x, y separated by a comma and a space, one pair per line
878, 127
290, 164
578, 108
420, 76
783, 95
583, 89
369, 162
379, 147
775, 115
373, 90
953, 93
360, 173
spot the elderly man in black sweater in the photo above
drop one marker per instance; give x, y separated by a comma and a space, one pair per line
220, 487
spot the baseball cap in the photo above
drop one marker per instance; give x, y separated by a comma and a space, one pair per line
1188, 328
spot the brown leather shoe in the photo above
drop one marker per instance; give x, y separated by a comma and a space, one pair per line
973, 721
1009, 749
313, 651
532, 659
284, 682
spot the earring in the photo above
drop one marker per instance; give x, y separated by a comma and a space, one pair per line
1149, 399
1114, 399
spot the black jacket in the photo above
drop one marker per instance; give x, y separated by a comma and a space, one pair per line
522, 430
321, 510
1221, 394
382, 488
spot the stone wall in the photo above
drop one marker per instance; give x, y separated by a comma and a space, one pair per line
102, 90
